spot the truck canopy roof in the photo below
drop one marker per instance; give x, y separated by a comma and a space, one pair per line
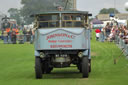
57, 12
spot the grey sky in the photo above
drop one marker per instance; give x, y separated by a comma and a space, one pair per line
94, 6
6, 4
88, 5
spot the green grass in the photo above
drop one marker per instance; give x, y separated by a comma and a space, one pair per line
0, 32
17, 67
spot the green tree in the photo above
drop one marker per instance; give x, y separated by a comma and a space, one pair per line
15, 14
108, 11
127, 9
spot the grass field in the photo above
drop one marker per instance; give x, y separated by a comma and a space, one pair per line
17, 67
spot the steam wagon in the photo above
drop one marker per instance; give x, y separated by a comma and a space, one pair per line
62, 38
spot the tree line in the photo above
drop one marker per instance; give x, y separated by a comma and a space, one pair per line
31, 7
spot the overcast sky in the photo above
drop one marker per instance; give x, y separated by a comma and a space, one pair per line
93, 6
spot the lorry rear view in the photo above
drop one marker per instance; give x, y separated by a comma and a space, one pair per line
62, 38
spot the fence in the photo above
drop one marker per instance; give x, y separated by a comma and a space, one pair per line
120, 42
122, 45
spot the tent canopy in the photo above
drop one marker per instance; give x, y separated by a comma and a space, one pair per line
96, 21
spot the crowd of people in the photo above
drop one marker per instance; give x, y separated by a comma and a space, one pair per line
109, 32
15, 35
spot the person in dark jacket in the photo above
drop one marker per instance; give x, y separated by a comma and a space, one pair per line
24, 33
31, 36
13, 34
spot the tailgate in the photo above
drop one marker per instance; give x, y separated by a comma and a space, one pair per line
61, 39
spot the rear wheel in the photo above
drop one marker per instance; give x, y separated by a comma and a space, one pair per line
38, 68
85, 67
89, 65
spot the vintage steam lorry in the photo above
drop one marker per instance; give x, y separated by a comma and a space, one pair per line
62, 38
8, 23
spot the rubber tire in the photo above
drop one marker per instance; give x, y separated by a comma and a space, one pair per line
38, 68
89, 65
85, 67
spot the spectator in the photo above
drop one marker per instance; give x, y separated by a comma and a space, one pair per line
8, 30
107, 30
13, 37
17, 31
102, 34
28, 36
9, 37
24, 33
5, 36
2, 37
97, 34
31, 36
112, 34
